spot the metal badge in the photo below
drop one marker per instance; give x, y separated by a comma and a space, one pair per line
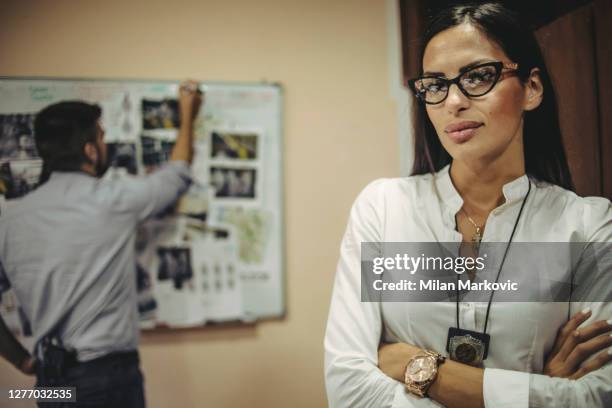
467, 347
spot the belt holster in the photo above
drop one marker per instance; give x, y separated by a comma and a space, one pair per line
56, 360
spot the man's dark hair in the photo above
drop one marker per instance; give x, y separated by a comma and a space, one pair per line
61, 131
545, 157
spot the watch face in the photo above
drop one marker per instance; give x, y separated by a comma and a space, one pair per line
421, 368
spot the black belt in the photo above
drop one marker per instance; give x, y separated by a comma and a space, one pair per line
57, 360
125, 357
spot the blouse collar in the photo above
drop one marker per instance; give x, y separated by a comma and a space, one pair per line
513, 191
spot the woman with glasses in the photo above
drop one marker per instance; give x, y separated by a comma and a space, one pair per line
489, 167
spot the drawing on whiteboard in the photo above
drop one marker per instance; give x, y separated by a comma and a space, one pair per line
121, 120
126, 123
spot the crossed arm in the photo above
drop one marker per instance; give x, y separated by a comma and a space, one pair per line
460, 385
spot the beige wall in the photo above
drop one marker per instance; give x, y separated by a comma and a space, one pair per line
340, 133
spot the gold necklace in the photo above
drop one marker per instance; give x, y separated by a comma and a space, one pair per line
478, 235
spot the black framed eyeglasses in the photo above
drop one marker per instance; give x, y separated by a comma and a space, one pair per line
474, 81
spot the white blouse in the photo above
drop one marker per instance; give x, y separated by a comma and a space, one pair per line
422, 209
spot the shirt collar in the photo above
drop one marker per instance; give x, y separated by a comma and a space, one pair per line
513, 191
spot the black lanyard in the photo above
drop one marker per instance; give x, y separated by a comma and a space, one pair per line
500, 266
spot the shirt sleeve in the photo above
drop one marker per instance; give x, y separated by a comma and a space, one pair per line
352, 337
505, 388
514, 389
151, 194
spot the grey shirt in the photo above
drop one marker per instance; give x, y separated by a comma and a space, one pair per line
67, 250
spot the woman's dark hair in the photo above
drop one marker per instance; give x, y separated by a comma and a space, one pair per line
545, 158
61, 131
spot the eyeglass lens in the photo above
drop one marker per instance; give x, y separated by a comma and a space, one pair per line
475, 82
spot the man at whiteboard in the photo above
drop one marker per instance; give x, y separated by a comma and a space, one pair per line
67, 251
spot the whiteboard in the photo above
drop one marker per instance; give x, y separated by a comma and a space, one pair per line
218, 255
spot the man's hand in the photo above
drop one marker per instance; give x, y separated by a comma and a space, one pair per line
190, 100
28, 366
570, 356
14, 352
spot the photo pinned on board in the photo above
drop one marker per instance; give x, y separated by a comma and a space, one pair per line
155, 152
174, 265
230, 182
160, 114
17, 137
19, 177
234, 145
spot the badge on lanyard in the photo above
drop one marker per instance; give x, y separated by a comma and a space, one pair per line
467, 346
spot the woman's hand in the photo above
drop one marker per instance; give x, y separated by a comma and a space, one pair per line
393, 358
570, 356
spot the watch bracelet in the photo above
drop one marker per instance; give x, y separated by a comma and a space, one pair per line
413, 387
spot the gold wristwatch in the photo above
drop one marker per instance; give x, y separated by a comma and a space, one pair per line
421, 372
